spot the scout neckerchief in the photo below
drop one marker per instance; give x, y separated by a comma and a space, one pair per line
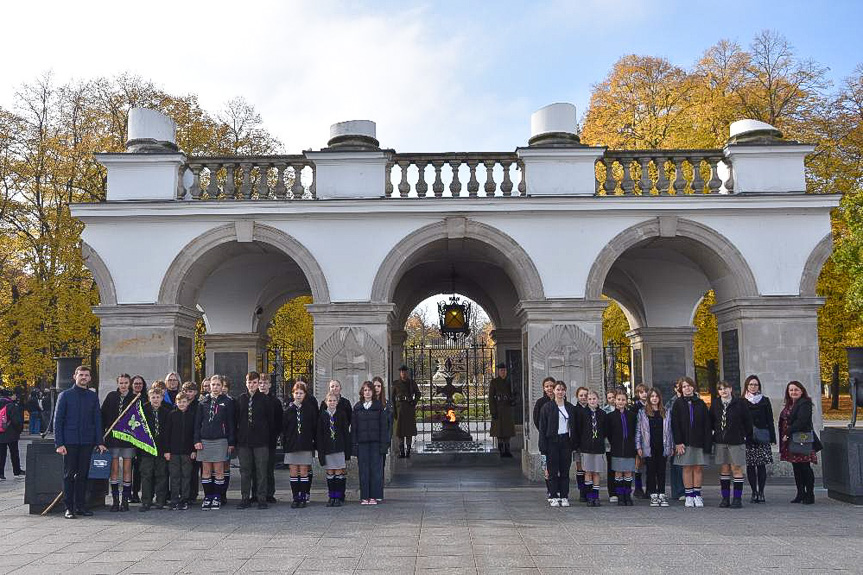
724, 419
332, 424
623, 422
299, 417
214, 409
155, 422
593, 424
251, 418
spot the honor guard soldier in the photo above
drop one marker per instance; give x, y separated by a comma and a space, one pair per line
406, 394
501, 400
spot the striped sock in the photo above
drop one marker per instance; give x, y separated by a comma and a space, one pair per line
595, 493
725, 486
587, 490
295, 488
696, 491
638, 481
689, 492
627, 482
115, 488
127, 489
219, 487
305, 486
738, 487
340, 486
579, 479
207, 486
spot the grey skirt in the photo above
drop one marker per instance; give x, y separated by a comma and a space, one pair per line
622, 464
593, 462
725, 454
692, 456
124, 452
215, 450
334, 460
298, 458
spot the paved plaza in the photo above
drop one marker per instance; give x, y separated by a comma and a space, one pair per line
442, 518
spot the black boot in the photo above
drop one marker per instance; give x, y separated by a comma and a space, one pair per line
408, 452
115, 506
401, 451
725, 503
736, 503
500, 448
506, 451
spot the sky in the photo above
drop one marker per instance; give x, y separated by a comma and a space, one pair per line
436, 76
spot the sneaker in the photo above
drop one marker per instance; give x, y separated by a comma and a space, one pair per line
612, 499
549, 499
663, 500
175, 507
184, 506
365, 502
682, 498
564, 502
690, 502
373, 501
216, 505
207, 504
654, 500
555, 502
699, 502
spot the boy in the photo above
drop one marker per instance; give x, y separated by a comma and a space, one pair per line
180, 451
254, 430
154, 468
264, 386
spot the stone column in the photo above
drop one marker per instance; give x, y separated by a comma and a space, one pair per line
146, 339
775, 338
661, 355
397, 349
233, 355
560, 338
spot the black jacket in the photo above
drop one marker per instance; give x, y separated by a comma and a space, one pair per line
762, 417
333, 438
255, 420
370, 426
622, 437
548, 422
585, 439
537, 407
800, 419
738, 422
694, 433
15, 421
344, 405
215, 419
112, 407
278, 420
180, 432
301, 432
158, 423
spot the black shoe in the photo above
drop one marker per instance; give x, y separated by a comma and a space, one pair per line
331, 502
144, 507
69, 514
184, 506
408, 452
808, 499
135, 498
639, 493
736, 503
262, 505
295, 504
724, 503
303, 504
115, 506
244, 504
621, 501
761, 498
338, 503
754, 498
272, 499
629, 502
582, 498
798, 499
124, 505
401, 452
84, 512
175, 507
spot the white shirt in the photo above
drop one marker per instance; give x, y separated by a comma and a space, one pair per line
562, 420
367, 404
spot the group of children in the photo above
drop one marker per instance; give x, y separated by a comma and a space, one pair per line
627, 440
195, 439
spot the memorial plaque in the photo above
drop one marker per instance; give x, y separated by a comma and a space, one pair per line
637, 367
513, 363
668, 364
731, 358
234, 365
184, 358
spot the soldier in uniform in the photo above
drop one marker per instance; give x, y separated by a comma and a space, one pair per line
501, 400
406, 394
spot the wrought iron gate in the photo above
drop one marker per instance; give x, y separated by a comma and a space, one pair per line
453, 378
286, 365
618, 371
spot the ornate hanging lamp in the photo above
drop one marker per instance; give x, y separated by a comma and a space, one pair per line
454, 314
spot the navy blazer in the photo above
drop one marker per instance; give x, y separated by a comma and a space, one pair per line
78, 418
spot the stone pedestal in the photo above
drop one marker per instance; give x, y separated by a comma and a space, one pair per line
842, 464
45, 480
560, 338
146, 339
665, 354
234, 355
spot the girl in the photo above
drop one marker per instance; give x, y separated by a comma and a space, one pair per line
343, 404
759, 454
608, 408
334, 447
214, 440
690, 428
732, 425
139, 390
640, 402
380, 395
653, 439
301, 421
370, 442
622, 425
795, 418
556, 422
116, 403
590, 432
581, 404
547, 395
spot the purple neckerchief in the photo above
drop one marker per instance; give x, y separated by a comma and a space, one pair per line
691, 414
625, 427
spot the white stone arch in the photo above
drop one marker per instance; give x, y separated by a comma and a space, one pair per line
101, 275
744, 284
812, 269
171, 290
514, 259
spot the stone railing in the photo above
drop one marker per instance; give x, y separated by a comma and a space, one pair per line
663, 173
468, 175
248, 178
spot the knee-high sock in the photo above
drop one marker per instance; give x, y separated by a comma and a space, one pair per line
227, 477
638, 480
295, 488
594, 494
620, 488
725, 486
305, 485
762, 478
587, 489
219, 489
627, 482
207, 486
115, 488
341, 481
579, 479
331, 486
127, 489
738, 488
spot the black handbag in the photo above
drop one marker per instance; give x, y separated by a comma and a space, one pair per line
801, 442
761, 436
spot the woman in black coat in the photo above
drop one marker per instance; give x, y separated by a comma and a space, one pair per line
370, 442
796, 419
115, 403
547, 395
556, 426
759, 453
334, 447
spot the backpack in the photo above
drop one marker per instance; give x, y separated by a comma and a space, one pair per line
4, 417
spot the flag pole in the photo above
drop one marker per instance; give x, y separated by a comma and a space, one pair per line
111, 427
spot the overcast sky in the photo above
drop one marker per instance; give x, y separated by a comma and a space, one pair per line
435, 76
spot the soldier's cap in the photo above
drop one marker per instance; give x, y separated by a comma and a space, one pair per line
403, 368
501, 365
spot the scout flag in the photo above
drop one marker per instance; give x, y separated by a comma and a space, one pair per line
132, 427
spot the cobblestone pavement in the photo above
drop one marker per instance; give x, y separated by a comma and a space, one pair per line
468, 527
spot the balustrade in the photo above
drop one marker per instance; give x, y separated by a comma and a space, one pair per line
250, 178
480, 175
662, 172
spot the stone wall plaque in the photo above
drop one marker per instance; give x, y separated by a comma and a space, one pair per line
637, 367
668, 364
234, 365
731, 358
184, 358
513, 363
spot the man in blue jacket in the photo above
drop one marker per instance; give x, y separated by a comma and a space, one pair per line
77, 430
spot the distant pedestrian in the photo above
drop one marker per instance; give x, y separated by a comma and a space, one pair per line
180, 452
580, 404
381, 395
139, 390
34, 408
265, 386
759, 453
154, 468
798, 444
301, 428
255, 421
214, 440
11, 425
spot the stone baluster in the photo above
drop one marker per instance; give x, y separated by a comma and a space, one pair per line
627, 184
422, 187
246, 183
181, 191
473, 183
506, 184
455, 184
490, 185
297, 187
313, 187
388, 179
714, 183
610, 183
729, 182
697, 180
404, 187
437, 186
644, 183
195, 190
522, 183
661, 176
262, 187
679, 181
213, 186
279, 190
